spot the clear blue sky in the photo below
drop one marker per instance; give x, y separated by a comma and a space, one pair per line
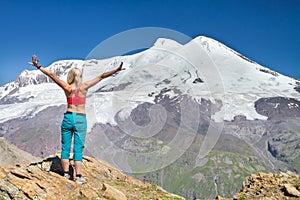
266, 31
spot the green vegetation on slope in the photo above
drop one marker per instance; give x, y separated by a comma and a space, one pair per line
221, 173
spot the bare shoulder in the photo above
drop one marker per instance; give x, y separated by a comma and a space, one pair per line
67, 88
86, 85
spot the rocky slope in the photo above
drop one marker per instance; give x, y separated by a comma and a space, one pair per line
11, 155
262, 186
43, 180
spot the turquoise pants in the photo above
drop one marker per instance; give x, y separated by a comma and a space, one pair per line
73, 124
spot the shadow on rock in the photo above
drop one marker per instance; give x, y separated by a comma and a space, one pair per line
53, 164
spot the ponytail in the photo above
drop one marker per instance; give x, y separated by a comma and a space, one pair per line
74, 76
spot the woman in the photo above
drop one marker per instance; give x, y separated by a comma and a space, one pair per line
74, 121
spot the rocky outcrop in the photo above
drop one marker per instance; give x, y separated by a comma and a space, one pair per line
239, 118
285, 146
43, 180
278, 107
297, 88
262, 186
31, 78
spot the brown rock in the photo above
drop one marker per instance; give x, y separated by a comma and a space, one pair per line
21, 174
222, 198
89, 193
291, 190
29, 188
111, 192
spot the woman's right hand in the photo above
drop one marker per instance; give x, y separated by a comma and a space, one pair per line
120, 67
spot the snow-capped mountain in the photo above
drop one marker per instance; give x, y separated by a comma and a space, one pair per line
203, 68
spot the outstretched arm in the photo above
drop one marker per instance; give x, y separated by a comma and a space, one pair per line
50, 74
96, 80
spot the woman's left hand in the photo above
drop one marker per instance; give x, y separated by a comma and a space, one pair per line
34, 62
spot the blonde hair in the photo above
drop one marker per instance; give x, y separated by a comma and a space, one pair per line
74, 76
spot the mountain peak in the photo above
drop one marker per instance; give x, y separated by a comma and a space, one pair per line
204, 38
212, 45
166, 43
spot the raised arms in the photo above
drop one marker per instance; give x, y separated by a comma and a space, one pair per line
59, 82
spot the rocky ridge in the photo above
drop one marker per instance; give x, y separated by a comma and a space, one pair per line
43, 180
269, 186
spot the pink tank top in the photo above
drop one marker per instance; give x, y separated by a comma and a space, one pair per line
76, 100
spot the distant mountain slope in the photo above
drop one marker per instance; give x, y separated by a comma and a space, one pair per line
11, 155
